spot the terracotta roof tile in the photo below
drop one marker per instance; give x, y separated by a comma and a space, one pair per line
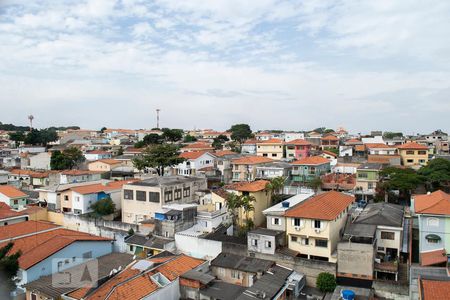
326, 206
198, 146
300, 142
193, 154
271, 141
377, 146
433, 257
434, 289
311, 160
330, 153
97, 188
437, 203
221, 153
330, 138
23, 228
108, 161
251, 160
251, 142
7, 212
412, 146
29, 173
254, 186
11, 192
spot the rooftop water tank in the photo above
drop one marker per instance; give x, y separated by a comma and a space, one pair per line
285, 204
348, 295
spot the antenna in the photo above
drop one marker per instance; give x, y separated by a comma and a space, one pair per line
30, 117
157, 117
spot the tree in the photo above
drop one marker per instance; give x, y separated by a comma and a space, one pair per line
390, 135
103, 207
172, 135
152, 139
219, 141
333, 150
240, 132
41, 137
189, 139
436, 174
120, 151
326, 282
67, 159
17, 137
247, 206
9, 266
233, 204
275, 186
102, 130
316, 183
403, 180
158, 157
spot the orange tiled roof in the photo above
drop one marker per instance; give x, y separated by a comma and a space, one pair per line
437, 203
434, 289
433, 257
377, 146
300, 142
23, 228
108, 161
7, 212
326, 206
198, 146
98, 187
329, 153
412, 146
193, 154
330, 138
11, 192
353, 141
251, 160
29, 173
251, 142
254, 186
221, 153
311, 160
271, 141
360, 148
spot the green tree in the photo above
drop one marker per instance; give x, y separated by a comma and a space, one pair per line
276, 188
333, 150
158, 157
436, 174
247, 205
153, 139
326, 282
67, 159
41, 137
9, 266
320, 130
17, 137
120, 151
240, 132
390, 135
234, 202
103, 207
403, 180
219, 141
102, 130
316, 183
172, 135
189, 139
328, 130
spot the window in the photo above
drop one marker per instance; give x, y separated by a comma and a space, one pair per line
141, 196
128, 194
131, 248
177, 194
410, 152
66, 197
153, 197
168, 196
235, 274
380, 249
274, 155
77, 199
293, 238
304, 241
433, 222
297, 222
370, 185
421, 161
16, 202
87, 255
268, 244
387, 235
276, 221
265, 154
433, 238
362, 175
410, 161
317, 224
254, 242
322, 243
187, 191
60, 263
421, 152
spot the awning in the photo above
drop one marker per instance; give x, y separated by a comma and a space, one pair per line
433, 237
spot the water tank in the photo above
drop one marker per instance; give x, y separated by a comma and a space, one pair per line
285, 204
348, 295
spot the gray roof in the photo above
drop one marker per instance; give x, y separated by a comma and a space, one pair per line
268, 285
106, 264
148, 242
265, 231
360, 230
222, 291
370, 166
200, 276
382, 213
167, 180
241, 263
280, 165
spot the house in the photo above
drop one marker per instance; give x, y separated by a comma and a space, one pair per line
329, 155
338, 182
249, 146
275, 218
433, 288
262, 200
223, 164
244, 168
346, 150
199, 146
413, 154
22, 178
76, 176
140, 200
372, 243
433, 215
329, 141
104, 165
273, 169
382, 153
151, 279
428, 282
39, 161
97, 155
272, 148
220, 290
47, 248
263, 240
49, 287
194, 161
9, 216
314, 225
192, 282
173, 218
13, 197
240, 270
297, 149
308, 168
367, 177
291, 136
4, 177
148, 246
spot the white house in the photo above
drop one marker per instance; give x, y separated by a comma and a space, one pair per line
97, 155
195, 161
40, 161
290, 136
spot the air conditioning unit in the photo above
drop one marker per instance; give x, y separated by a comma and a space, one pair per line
317, 230
297, 228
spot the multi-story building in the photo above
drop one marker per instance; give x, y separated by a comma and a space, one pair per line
413, 154
308, 168
329, 141
297, 149
272, 148
244, 168
249, 147
195, 161
314, 225
273, 170
140, 200
367, 177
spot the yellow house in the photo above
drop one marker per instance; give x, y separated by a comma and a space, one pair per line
257, 189
272, 148
104, 165
413, 154
313, 226
244, 168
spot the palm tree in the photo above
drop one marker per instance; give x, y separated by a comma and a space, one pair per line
247, 206
234, 202
316, 183
275, 186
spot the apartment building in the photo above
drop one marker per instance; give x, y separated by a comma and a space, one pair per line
413, 154
272, 148
245, 168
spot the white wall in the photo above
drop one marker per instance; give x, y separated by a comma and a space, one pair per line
197, 247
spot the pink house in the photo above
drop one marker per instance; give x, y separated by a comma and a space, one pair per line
298, 149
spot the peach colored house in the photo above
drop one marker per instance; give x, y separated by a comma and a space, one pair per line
297, 149
272, 148
244, 168
413, 154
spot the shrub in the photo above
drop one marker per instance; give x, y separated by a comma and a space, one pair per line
326, 282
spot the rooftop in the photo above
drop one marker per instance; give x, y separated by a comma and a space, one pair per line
167, 180
298, 142
271, 141
222, 290
265, 231
412, 146
370, 166
241, 263
381, 213
311, 160
433, 257
254, 186
11, 192
434, 289
251, 160
437, 203
193, 154
293, 201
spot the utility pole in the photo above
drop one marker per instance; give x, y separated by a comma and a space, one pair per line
157, 117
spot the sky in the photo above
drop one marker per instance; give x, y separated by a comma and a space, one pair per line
292, 65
